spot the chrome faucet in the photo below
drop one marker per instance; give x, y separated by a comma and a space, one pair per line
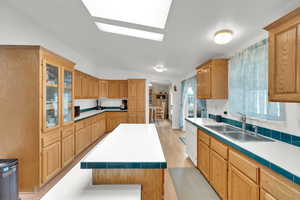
244, 120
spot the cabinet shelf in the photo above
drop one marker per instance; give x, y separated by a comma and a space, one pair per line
51, 85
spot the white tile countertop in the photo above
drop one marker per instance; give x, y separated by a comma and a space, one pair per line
91, 113
283, 155
128, 146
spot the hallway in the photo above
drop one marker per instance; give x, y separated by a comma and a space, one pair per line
183, 181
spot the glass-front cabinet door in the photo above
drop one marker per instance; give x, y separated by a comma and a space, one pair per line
67, 99
51, 96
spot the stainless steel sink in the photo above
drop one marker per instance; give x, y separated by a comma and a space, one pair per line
238, 134
223, 128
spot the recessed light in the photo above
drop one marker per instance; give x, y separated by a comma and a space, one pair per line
152, 13
223, 36
160, 68
130, 32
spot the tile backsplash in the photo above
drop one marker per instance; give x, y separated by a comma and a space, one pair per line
111, 102
85, 103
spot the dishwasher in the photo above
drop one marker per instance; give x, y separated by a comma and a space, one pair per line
9, 179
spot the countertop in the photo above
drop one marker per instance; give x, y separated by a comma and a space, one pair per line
128, 146
91, 113
279, 156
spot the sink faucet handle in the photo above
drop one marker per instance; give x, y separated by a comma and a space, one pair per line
255, 129
243, 116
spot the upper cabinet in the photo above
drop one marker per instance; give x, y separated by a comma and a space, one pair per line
118, 89
212, 79
103, 88
284, 58
86, 86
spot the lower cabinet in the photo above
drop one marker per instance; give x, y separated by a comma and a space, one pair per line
68, 149
203, 158
113, 119
51, 161
240, 186
82, 139
265, 195
218, 174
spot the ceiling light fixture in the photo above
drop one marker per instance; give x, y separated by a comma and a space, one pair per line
130, 32
223, 36
152, 13
160, 68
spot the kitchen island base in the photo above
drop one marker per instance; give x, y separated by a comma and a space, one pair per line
151, 180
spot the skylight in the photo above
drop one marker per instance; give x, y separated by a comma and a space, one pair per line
153, 13
130, 32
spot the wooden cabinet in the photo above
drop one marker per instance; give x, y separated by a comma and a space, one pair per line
266, 196
114, 89
218, 174
42, 80
123, 89
113, 119
240, 186
203, 158
51, 155
117, 89
67, 145
275, 186
86, 86
284, 58
212, 79
136, 100
103, 88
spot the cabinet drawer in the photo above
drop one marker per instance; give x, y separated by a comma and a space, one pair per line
219, 147
51, 137
248, 167
278, 187
80, 125
68, 130
204, 137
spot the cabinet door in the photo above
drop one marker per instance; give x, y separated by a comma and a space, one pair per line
67, 97
68, 149
240, 186
140, 117
85, 86
266, 196
123, 89
284, 65
95, 131
218, 174
102, 127
132, 105
78, 84
204, 82
104, 88
51, 161
203, 155
132, 118
82, 139
113, 89
51, 88
132, 88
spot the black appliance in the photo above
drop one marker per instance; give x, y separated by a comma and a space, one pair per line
9, 182
77, 110
98, 107
124, 104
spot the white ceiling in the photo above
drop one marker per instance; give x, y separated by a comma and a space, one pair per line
188, 33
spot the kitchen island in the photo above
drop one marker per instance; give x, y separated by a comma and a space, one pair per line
131, 154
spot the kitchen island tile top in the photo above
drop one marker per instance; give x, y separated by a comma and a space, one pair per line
128, 146
284, 155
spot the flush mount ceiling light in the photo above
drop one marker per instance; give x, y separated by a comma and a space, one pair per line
160, 68
152, 13
223, 36
130, 32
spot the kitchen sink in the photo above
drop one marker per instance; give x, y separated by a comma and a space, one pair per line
223, 128
238, 134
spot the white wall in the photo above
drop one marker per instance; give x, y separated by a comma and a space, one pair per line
111, 102
176, 103
85, 103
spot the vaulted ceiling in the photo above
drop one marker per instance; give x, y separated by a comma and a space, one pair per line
188, 33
